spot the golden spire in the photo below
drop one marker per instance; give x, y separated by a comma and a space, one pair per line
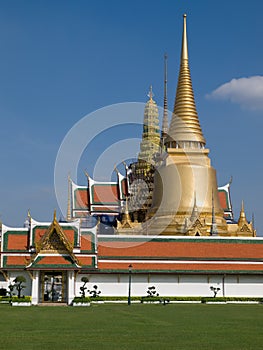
185, 124
69, 199
165, 104
242, 216
126, 220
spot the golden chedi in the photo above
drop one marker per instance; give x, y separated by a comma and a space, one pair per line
185, 199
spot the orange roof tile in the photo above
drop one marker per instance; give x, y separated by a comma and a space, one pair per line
15, 261
223, 200
86, 242
179, 267
107, 194
39, 232
85, 260
181, 249
17, 242
81, 199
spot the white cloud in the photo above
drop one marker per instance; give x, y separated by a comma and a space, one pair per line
247, 92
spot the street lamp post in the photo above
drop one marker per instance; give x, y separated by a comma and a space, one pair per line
130, 278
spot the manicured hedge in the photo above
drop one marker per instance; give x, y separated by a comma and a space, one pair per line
81, 300
16, 299
162, 298
226, 299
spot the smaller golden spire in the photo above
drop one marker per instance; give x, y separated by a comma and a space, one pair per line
126, 220
242, 216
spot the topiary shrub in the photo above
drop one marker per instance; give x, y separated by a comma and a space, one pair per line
95, 292
19, 280
83, 288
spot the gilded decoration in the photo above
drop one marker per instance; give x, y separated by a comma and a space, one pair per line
55, 241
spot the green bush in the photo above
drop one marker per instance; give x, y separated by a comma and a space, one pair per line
113, 298
184, 298
25, 299
226, 299
161, 299
5, 299
81, 300
16, 299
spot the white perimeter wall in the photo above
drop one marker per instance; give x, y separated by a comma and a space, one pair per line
166, 285
174, 285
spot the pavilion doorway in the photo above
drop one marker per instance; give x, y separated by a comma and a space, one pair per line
53, 287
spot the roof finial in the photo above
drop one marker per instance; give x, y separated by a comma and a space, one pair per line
165, 104
55, 215
116, 169
150, 94
184, 54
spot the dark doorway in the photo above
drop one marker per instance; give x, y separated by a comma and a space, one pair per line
53, 287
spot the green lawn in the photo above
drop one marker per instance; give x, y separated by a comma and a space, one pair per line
132, 327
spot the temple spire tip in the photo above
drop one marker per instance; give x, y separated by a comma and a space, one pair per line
55, 215
150, 93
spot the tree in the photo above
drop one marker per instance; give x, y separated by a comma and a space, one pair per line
19, 280
85, 280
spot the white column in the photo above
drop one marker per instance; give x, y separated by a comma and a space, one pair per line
35, 288
71, 286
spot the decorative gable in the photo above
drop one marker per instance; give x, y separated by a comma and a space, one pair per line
54, 246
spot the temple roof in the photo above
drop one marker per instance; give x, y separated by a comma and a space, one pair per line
181, 254
98, 197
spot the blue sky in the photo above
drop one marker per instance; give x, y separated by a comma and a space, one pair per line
61, 60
